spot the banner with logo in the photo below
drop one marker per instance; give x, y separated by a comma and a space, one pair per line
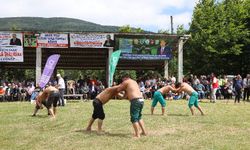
29, 40
52, 40
112, 65
48, 69
92, 40
11, 54
145, 48
11, 39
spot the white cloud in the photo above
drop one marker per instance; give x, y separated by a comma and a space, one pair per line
149, 14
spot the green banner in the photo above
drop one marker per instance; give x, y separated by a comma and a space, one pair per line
112, 65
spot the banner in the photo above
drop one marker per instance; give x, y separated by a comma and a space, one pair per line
11, 54
48, 69
29, 40
52, 40
92, 40
11, 39
145, 48
112, 65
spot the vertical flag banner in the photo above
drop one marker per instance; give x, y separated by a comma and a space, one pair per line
48, 69
112, 65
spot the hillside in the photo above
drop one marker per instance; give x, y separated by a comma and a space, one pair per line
52, 25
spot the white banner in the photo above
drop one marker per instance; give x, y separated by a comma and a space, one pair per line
92, 40
52, 40
11, 39
11, 54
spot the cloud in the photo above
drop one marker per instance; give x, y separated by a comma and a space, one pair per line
148, 14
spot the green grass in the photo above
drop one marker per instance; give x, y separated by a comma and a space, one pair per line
225, 126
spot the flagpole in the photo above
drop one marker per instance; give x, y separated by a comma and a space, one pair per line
38, 64
110, 51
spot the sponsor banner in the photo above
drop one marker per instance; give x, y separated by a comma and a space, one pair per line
29, 40
145, 48
52, 40
11, 54
92, 40
11, 39
48, 69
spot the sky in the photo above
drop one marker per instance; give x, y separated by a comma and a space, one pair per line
150, 15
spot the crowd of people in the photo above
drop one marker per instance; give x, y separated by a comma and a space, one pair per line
208, 87
16, 91
27, 90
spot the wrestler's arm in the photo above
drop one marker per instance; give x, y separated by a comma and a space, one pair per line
38, 104
174, 89
122, 95
121, 87
179, 90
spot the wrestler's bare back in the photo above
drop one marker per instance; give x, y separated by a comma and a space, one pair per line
45, 94
107, 94
166, 89
186, 88
131, 89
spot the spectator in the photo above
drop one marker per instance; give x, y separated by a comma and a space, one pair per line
93, 90
2, 93
173, 79
148, 93
195, 81
246, 86
71, 87
142, 89
5, 86
30, 89
200, 90
100, 87
15, 92
215, 86
228, 90
80, 82
238, 86
85, 90
61, 87
22, 92
222, 85
8, 93
35, 93
154, 88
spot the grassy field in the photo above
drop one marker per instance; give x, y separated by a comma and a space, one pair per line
225, 126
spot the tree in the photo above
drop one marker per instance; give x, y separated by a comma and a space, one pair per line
181, 30
125, 29
164, 31
219, 34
